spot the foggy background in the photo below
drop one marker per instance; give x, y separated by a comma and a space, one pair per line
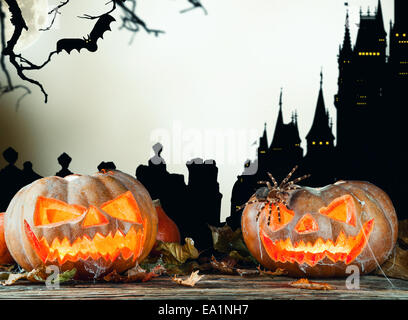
220, 73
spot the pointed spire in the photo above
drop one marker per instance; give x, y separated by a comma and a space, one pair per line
280, 99
346, 50
263, 141
320, 127
296, 120
280, 115
321, 78
279, 136
347, 20
379, 16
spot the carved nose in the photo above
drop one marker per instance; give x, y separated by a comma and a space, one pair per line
307, 224
94, 218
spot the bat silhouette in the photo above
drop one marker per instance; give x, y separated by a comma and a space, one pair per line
90, 43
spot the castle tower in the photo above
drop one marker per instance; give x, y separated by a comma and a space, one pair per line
279, 139
344, 99
286, 140
320, 137
362, 80
263, 151
399, 43
370, 60
395, 131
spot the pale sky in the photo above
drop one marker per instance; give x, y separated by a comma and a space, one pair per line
206, 78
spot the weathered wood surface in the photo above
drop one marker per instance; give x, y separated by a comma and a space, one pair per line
210, 287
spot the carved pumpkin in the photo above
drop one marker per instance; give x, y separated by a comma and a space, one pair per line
319, 232
95, 224
5, 257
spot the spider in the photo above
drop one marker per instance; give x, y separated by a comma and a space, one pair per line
273, 195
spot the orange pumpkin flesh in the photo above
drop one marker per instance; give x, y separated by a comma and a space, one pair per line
348, 223
307, 224
124, 207
49, 210
341, 209
108, 224
345, 248
93, 218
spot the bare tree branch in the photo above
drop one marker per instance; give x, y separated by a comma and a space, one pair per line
54, 12
8, 86
130, 21
196, 4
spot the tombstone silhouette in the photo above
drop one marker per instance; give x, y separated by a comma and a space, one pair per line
106, 166
203, 201
64, 160
157, 158
11, 178
29, 174
169, 188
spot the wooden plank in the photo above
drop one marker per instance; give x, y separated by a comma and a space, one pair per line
210, 287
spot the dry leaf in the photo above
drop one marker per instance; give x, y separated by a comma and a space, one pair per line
190, 281
226, 266
175, 253
114, 277
403, 230
13, 278
396, 266
231, 242
38, 275
136, 274
247, 272
277, 272
7, 267
306, 284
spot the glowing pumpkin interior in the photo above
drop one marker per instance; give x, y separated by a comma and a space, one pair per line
344, 248
54, 213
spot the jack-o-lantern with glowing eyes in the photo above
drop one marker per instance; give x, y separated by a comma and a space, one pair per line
319, 232
95, 224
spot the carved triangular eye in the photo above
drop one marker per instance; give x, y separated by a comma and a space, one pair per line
124, 208
341, 209
94, 218
48, 210
307, 224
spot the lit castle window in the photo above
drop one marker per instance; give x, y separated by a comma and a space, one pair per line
369, 53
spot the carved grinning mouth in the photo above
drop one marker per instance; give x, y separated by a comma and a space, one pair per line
108, 247
345, 248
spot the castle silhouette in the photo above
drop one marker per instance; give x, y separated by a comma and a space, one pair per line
370, 142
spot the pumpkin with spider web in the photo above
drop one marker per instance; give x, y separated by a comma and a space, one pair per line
319, 232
